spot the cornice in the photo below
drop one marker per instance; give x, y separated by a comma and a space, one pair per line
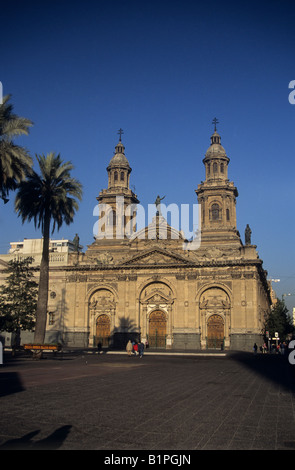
191, 265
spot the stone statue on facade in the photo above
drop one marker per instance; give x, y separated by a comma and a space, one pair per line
76, 242
158, 204
248, 233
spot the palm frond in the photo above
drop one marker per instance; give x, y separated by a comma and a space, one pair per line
15, 160
52, 193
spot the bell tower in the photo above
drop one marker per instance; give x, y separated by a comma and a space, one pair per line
117, 203
217, 197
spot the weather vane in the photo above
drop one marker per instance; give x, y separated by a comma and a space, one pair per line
120, 131
215, 121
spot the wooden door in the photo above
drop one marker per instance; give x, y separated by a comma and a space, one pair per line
157, 329
215, 331
103, 330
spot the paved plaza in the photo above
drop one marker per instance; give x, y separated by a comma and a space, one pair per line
176, 402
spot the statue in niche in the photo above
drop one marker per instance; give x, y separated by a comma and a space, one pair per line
225, 303
93, 303
204, 303
248, 233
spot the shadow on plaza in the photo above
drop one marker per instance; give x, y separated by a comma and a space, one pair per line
52, 442
10, 382
273, 367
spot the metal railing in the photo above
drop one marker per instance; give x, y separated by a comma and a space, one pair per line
157, 340
214, 343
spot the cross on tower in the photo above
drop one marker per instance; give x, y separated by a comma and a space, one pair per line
120, 131
215, 121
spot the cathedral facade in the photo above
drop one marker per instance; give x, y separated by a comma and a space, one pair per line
153, 284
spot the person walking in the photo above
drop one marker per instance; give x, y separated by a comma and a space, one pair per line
135, 349
140, 349
129, 348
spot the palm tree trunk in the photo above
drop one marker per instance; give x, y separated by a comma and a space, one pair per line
41, 312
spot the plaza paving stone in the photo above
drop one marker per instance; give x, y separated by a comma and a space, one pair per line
171, 402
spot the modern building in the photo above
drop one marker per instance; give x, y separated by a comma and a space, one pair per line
153, 284
58, 250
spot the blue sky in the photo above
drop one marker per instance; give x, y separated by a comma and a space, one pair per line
161, 71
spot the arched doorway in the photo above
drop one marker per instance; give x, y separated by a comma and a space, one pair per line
215, 316
103, 330
102, 308
215, 331
156, 301
157, 329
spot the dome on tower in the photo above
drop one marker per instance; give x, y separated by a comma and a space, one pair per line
119, 158
216, 149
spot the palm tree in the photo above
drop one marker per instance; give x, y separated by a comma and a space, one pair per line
48, 198
14, 160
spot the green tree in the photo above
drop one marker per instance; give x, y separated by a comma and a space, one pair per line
279, 321
49, 199
15, 160
18, 297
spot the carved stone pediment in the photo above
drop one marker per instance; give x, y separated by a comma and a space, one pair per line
213, 253
101, 259
157, 298
102, 300
156, 257
214, 298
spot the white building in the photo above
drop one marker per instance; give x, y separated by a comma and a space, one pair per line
58, 250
